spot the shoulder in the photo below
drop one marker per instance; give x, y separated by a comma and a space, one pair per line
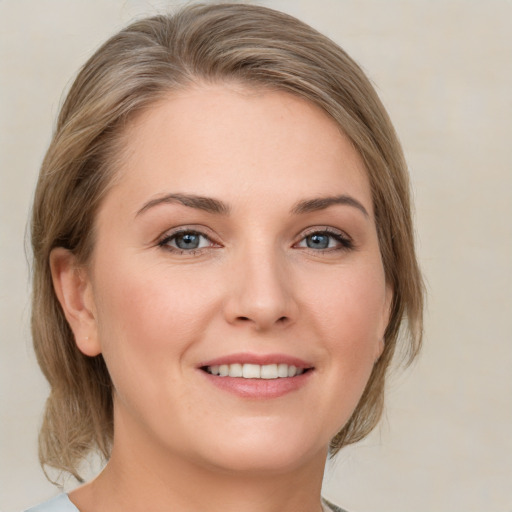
60, 503
330, 507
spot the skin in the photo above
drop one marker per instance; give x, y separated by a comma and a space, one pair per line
253, 286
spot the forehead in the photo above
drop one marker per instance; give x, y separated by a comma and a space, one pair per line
233, 141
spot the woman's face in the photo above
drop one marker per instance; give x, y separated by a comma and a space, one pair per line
239, 239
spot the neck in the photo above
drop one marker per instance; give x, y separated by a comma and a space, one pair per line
141, 477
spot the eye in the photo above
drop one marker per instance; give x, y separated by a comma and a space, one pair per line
186, 241
326, 240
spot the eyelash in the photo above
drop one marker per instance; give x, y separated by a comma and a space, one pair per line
344, 241
168, 238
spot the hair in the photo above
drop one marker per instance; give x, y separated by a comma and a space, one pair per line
143, 63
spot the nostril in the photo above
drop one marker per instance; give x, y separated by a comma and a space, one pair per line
280, 320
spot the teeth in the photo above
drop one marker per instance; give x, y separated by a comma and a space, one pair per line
282, 370
255, 371
235, 370
269, 371
251, 371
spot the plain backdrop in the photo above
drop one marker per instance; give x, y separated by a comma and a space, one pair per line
443, 70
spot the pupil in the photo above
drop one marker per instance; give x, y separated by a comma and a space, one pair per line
187, 241
318, 241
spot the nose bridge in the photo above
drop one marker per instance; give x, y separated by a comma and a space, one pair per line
261, 291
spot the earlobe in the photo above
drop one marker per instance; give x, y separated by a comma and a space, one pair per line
74, 291
380, 349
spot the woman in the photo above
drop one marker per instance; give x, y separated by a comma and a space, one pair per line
224, 260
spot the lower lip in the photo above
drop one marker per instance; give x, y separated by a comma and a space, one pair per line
259, 388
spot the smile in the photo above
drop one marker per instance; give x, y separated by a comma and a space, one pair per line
257, 376
255, 371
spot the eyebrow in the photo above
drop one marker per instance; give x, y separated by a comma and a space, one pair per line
208, 204
211, 205
321, 203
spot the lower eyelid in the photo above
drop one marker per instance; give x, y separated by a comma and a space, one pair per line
344, 240
168, 241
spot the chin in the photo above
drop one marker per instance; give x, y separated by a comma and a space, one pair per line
264, 453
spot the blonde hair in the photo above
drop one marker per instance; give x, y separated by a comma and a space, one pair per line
201, 43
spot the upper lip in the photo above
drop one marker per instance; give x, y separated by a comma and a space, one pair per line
261, 359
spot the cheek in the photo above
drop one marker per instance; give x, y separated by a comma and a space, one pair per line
353, 304
351, 325
349, 313
147, 317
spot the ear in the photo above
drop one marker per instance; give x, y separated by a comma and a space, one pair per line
74, 290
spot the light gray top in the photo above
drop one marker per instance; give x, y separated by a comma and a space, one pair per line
62, 503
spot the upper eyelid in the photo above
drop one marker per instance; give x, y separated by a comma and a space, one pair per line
323, 229
346, 241
164, 242
174, 234
206, 232
200, 230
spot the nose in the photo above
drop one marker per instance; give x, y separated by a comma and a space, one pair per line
260, 291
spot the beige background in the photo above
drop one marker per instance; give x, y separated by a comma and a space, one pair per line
443, 68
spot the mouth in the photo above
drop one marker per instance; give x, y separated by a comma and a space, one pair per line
257, 376
255, 371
